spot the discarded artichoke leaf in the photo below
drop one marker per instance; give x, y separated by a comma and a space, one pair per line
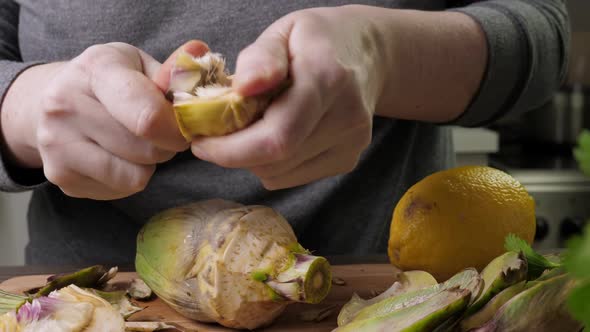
112, 272
119, 301
408, 281
139, 290
541, 308
488, 311
91, 277
468, 279
147, 326
501, 272
338, 281
423, 316
549, 274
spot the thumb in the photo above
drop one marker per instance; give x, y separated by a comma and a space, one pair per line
161, 74
262, 65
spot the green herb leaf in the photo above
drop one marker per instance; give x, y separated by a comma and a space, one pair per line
577, 258
577, 263
537, 264
582, 152
579, 305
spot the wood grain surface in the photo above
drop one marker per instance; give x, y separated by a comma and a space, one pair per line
364, 279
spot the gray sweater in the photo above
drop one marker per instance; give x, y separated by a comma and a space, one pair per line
348, 214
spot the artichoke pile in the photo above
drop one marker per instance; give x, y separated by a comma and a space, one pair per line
517, 291
220, 261
82, 301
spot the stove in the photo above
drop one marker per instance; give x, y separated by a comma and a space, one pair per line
561, 192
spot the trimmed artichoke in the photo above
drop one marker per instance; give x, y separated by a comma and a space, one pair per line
220, 261
204, 101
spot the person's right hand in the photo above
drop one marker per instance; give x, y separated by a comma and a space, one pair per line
103, 122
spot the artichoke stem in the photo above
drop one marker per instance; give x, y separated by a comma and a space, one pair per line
89, 277
308, 279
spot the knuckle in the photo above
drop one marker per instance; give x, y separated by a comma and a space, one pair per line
57, 175
46, 137
332, 72
55, 99
140, 179
94, 55
337, 74
281, 143
147, 120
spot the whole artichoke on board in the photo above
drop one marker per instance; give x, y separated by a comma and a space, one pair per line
220, 261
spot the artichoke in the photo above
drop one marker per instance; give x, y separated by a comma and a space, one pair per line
69, 309
220, 261
204, 101
408, 282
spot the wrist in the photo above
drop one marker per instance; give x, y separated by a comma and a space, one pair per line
19, 116
433, 62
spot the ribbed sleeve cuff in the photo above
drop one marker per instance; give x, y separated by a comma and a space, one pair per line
13, 179
507, 67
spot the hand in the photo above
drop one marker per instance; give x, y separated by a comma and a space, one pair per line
322, 124
104, 123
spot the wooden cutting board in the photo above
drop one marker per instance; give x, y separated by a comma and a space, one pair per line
364, 279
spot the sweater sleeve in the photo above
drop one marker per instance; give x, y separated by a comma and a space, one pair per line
11, 65
528, 43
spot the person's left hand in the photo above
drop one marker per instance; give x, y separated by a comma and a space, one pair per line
321, 125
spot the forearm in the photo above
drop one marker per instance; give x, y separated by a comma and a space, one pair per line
433, 63
18, 115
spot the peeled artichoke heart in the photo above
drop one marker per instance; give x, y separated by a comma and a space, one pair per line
204, 102
220, 261
540, 308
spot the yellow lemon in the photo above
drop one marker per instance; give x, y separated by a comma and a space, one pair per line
459, 218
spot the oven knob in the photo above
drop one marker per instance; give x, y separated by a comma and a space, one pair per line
542, 229
571, 227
